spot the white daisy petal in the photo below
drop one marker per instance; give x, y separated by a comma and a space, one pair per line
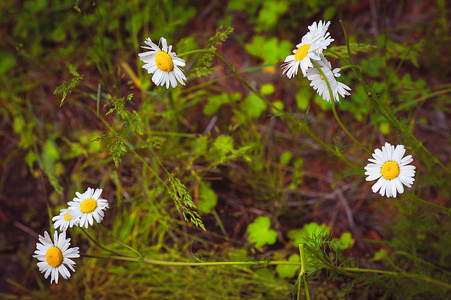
64, 220
319, 84
86, 210
163, 64
312, 45
391, 169
53, 257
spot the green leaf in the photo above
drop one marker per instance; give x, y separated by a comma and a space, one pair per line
299, 235
329, 13
183, 202
267, 89
223, 145
269, 14
384, 128
67, 87
285, 158
302, 98
260, 233
271, 50
215, 102
208, 198
287, 271
381, 254
347, 241
253, 107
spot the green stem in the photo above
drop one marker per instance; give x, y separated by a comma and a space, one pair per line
97, 244
119, 242
337, 55
332, 101
291, 118
412, 196
402, 274
349, 271
303, 272
191, 264
349, 67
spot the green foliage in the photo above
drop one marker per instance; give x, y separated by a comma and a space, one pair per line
300, 235
270, 50
269, 14
310, 230
184, 203
252, 107
204, 65
287, 271
208, 198
223, 150
115, 144
67, 87
260, 233
216, 101
132, 119
355, 47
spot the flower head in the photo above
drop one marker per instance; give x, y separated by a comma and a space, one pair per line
55, 256
88, 206
163, 63
391, 170
312, 45
64, 220
319, 84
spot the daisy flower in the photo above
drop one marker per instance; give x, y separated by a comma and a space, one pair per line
391, 169
54, 257
319, 84
88, 206
64, 220
312, 45
163, 63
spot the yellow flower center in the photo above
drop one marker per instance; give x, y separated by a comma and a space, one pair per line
54, 257
88, 206
390, 170
301, 53
67, 217
164, 61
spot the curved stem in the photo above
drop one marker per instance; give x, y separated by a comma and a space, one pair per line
403, 274
412, 196
192, 264
97, 244
349, 271
337, 55
332, 101
349, 67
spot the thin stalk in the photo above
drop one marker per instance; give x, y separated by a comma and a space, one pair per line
303, 272
332, 101
97, 244
349, 271
412, 196
349, 67
401, 274
221, 226
337, 55
119, 242
191, 264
